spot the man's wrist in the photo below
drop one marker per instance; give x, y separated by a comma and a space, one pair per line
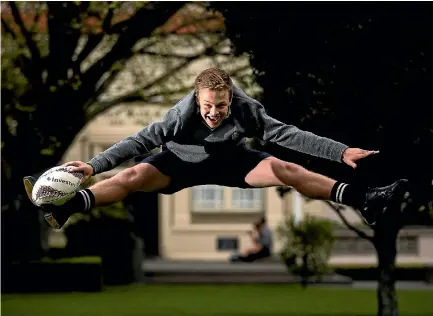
343, 154
93, 169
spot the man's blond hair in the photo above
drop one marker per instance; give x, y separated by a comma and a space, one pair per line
214, 79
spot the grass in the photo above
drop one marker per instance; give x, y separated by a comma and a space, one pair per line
97, 260
201, 300
87, 260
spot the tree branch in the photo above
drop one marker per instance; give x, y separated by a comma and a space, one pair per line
155, 13
119, 27
93, 40
38, 15
8, 29
162, 35
63, 40
103, 87
34, 51
103, 106
207, 52
148, 86
359, 232
196, 23
106, 24
173, 55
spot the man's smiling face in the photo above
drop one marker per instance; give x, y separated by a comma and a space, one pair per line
214, 105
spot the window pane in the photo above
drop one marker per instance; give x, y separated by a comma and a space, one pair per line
247, 198
207, 197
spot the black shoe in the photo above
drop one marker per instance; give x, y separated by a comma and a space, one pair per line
379, 200
56, 216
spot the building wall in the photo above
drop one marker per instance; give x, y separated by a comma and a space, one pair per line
191, 234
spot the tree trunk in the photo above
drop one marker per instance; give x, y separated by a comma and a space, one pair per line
385, 240
22, 234
304, 271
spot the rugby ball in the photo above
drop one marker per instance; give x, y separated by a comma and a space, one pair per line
56, 186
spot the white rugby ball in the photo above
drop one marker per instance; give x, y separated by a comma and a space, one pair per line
56, 186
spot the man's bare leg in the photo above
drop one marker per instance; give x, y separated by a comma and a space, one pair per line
143, 177
275, 172
370, 202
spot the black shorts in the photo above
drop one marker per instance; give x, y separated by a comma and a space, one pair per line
228, 170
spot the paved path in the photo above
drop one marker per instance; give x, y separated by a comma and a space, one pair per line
400, 285
271, 269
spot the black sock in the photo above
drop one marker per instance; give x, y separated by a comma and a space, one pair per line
348, 194
83, 201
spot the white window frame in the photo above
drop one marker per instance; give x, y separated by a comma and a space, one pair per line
258, 204
227, 205
200, 204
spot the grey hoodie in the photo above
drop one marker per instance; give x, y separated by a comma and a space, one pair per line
182, 131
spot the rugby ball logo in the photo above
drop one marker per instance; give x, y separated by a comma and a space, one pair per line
56, 186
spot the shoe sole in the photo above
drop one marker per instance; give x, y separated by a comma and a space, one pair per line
52, 221
28, 186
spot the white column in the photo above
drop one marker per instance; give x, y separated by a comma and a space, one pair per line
298, 213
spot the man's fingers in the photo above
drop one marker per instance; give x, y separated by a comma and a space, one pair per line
370, 152
84, 179
72, 164
366, 153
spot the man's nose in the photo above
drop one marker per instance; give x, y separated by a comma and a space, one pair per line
213, 112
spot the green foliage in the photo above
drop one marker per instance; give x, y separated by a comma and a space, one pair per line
115, 211
98, 45
307, 245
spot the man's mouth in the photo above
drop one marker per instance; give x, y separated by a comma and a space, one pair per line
213, 119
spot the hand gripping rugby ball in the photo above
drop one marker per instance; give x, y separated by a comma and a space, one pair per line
56, 186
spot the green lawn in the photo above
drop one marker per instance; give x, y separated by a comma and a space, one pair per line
246, 300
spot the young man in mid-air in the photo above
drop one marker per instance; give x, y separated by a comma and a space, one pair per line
203, 139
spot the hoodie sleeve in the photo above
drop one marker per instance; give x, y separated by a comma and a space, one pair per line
289, 136
144, 141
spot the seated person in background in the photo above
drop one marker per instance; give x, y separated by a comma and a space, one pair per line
262, 244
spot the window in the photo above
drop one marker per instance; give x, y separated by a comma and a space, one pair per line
407, 245
247, 198
207, 197
218, 198
352, 246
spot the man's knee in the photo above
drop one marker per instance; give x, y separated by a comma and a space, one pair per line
137, 177
289, 172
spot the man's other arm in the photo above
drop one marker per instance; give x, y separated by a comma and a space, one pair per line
289, 136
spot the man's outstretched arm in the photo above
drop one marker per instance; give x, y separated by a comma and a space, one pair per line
140, 143
291, 137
